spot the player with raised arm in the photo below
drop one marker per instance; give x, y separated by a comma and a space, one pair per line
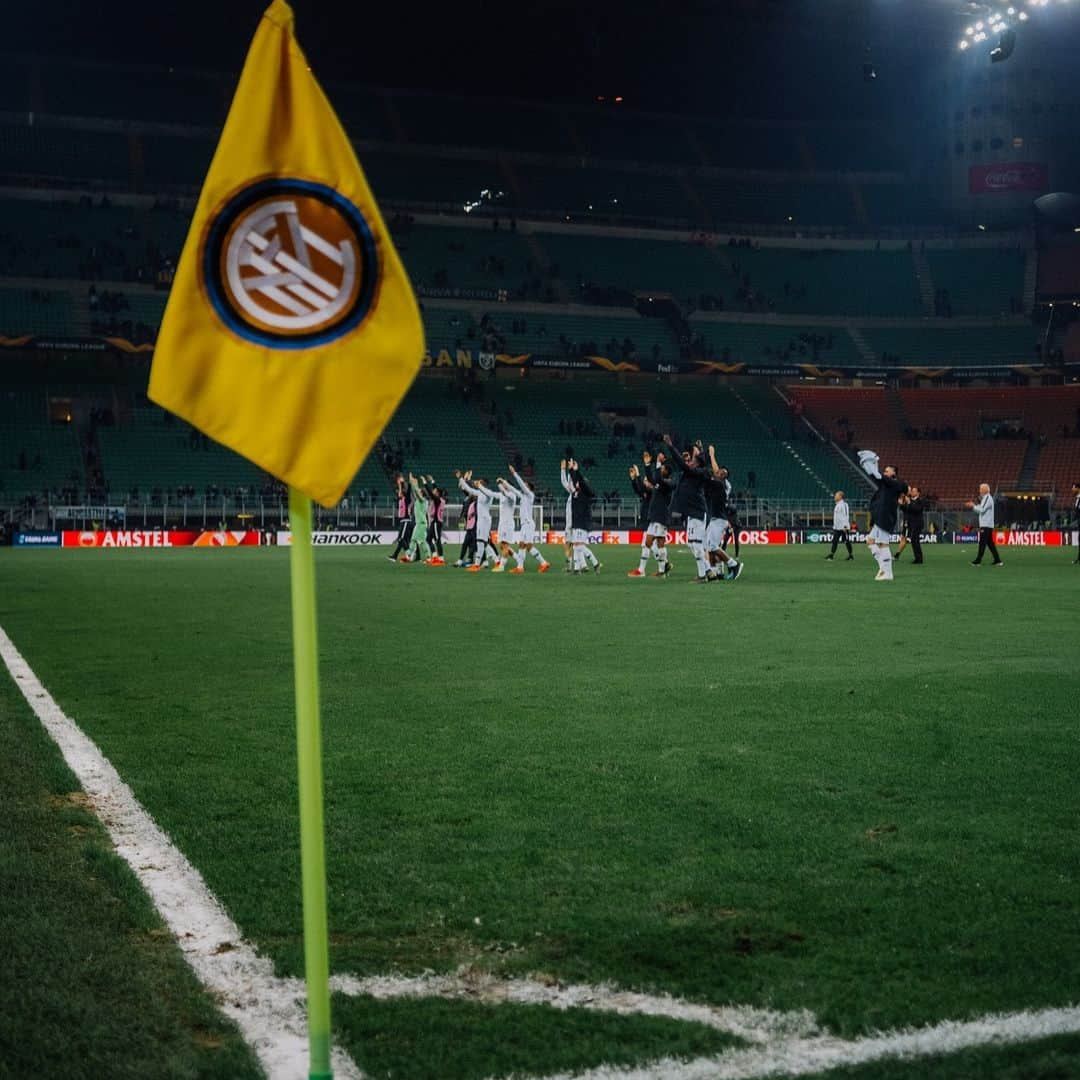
637, 483
468, 519
418, 548
436, 500
568, 486
570, 474
526, 533
731, 536
581, 520
403, 516
716, 497
689, 498
506, 535
883, 512
483, 497
658, 485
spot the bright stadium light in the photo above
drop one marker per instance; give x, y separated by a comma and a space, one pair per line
963, 43
1001, 23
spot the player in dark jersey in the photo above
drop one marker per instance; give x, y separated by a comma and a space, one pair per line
721, 564
658, 484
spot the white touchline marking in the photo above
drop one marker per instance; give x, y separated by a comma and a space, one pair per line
268, 1010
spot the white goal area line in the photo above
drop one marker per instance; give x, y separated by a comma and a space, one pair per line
269, 1012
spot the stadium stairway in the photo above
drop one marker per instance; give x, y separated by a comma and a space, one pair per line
924, 276
896, 408
865, 351
1031, 278
1029, 467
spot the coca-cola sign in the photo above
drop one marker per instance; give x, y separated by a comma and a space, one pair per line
1013, 176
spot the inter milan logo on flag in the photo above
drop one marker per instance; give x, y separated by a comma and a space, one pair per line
291, 333
290, 264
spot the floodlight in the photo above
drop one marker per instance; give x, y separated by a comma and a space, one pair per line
963, 43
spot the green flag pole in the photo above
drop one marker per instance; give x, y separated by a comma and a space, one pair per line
309, 763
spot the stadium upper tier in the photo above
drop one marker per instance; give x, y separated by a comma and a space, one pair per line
176, 161
118, 92
137, 129
129, 251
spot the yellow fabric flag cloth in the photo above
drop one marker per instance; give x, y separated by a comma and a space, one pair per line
291, 332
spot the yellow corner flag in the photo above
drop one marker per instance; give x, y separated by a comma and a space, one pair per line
291, 332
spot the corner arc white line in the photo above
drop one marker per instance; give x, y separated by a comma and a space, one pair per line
268, 1010
752, 1024
783, 1043
807, 1056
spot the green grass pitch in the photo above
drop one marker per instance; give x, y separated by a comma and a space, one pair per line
802, 790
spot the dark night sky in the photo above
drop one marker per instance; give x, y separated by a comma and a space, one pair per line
700, 56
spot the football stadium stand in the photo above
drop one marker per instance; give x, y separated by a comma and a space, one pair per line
36, 454
951, 440
944, 346
545, 235
35, 311
985, 282
149, 449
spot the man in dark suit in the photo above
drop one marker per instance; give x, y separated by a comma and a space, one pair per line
914, 507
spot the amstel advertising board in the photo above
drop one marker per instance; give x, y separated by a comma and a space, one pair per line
160, 538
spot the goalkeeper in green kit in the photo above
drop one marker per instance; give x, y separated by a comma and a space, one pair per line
419, 551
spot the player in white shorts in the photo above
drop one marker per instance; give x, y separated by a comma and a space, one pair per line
568, 487
717, 489
526, 533
483, 498
506, 536
568, 469
883, 511
657, 485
